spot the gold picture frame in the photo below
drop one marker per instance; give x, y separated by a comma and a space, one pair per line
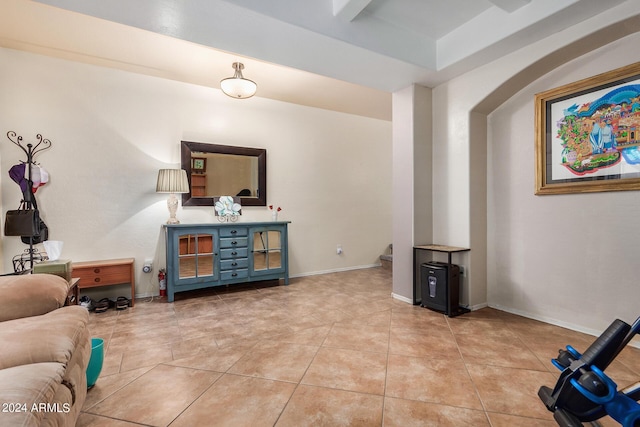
587, 134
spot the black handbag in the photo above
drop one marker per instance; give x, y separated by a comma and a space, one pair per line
37, 238
41, 232
22, 222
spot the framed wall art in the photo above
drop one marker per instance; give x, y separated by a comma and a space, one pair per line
198, 165
588, 134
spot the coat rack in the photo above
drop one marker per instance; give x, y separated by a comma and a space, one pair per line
31, 254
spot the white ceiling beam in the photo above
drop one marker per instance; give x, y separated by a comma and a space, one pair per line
506, 5
349, 9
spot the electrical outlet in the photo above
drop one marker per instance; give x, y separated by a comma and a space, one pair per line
339, 249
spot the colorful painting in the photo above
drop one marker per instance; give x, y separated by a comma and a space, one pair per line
588, 134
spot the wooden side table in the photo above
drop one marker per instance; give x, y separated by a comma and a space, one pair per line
73, 297
93, 274
449, 250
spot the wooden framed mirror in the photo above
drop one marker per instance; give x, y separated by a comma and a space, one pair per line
221, 170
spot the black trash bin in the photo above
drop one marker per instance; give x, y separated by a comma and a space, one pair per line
440, 291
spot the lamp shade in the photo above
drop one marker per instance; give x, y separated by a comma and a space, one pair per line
237, 86
172, 181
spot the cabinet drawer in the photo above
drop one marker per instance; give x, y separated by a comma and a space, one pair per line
233, 253
231, 264
233, 232
100, 276
234, 274
240, 242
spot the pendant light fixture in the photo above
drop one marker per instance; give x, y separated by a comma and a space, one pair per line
237, 86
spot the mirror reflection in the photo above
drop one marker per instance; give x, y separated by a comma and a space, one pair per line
195, 258
220, 170
215, 174
267, 250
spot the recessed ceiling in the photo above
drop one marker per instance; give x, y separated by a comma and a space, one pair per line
432, 19
365, 49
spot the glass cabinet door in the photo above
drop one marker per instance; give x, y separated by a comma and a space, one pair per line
267, 250
196, 256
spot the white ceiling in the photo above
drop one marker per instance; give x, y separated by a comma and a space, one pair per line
352, 53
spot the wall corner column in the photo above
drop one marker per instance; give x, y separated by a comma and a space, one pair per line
412, 181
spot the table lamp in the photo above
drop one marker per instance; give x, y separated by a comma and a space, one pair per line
172, 181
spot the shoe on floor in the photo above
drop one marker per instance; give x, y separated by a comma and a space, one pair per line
86, 302
102, 305
122, 303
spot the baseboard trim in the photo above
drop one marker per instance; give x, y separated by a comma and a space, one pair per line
401, 298
477, 306
572, 326
142, 296
336, 270
313, 273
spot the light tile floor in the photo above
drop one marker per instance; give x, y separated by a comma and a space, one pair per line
327, 350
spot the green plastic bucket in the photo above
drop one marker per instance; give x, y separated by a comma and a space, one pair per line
95, 361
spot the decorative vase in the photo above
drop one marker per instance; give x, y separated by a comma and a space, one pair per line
274, 215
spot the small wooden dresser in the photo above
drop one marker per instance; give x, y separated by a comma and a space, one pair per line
93, 274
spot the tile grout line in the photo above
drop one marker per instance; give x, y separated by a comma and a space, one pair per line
284, 407
466, 368
386, 369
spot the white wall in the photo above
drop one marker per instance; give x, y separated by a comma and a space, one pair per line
412, 147
521, 267
569, 258
112, 130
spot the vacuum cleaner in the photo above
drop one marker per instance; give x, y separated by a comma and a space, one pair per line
583, 392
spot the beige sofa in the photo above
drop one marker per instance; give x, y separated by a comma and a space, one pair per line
44, 352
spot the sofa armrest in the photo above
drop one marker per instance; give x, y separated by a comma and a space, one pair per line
31, 295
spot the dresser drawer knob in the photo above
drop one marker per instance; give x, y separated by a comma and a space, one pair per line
234, 274
96, 270
97, 280
234, 243
234, 264
234, 231
234, 253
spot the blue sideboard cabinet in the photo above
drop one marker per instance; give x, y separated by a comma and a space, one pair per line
206, 255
